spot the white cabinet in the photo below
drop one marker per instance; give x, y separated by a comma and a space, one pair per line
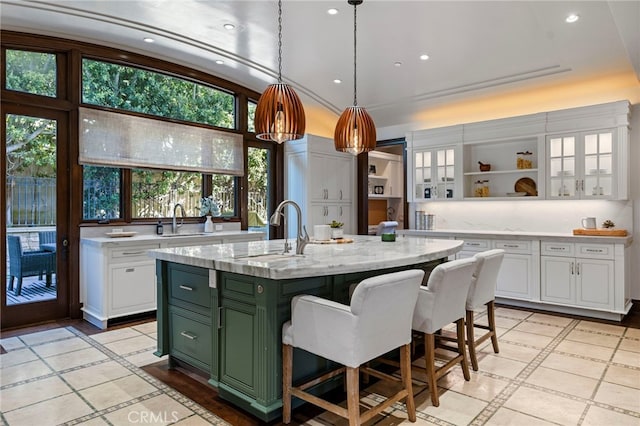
581, 166
324, 213
321, 181
118, 279
578, 274
434, 171
519, 276
578, 153
588, 152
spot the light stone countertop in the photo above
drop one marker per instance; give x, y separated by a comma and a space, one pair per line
518, 235
264, 258
195, 237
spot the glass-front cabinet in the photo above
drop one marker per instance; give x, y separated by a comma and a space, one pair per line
435, 173
580, 166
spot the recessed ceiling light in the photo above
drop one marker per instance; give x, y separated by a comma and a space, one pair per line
229, 26
148, 40
219, 61
572, 18
424, 57
397, 64
332, 11
337, 81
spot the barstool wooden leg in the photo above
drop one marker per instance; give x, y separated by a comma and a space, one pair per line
405, 372
471, 341
461, 349
287, 370
430, 361
353, 395
492, 325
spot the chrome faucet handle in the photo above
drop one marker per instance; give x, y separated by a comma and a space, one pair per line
302, 240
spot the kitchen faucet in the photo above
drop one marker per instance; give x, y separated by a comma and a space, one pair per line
174, 222
302, 239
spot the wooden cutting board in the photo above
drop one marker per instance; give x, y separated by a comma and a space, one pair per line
601, 232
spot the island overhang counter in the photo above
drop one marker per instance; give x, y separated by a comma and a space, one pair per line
221, 307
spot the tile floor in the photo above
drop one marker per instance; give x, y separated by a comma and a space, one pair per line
62, 376
550, 370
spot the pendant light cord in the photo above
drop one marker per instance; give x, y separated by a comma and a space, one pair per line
355, 32
279, 41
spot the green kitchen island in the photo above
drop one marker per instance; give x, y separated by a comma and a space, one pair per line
221, 307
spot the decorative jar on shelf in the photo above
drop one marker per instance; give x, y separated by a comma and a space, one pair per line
208, 224
523, 160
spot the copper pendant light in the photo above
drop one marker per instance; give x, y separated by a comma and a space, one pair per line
279, 114
355, 131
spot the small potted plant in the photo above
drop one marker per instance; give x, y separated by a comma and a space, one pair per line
336, 229
208, 208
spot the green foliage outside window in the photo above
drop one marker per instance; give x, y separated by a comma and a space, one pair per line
134, 89
31, 72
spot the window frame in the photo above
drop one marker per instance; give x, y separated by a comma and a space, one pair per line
69, 60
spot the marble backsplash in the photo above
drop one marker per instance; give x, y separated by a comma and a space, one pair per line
533, 216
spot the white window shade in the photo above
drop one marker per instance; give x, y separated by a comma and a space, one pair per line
121, 140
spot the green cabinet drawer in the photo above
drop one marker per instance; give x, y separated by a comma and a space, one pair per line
190, 337
190, 285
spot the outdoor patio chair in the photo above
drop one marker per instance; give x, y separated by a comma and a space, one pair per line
28, 263
46, 237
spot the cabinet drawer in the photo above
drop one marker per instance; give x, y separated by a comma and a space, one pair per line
132, 254
190, 337
594, 251
511, 246
475, 245
190, 285
557, 249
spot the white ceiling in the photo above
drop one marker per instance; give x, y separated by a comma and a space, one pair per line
475, 47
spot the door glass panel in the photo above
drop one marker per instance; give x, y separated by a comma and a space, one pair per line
31, 147
31, 72
259, 193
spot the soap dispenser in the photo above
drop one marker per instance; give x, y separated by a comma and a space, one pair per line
159, 228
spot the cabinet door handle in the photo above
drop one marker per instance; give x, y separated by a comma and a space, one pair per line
341, 194
186, 287
188, 336
511, 245
577, 269
130, 253
556, 248
594, 250
473, 244
582, 185
577, 185
130, 270
340, 211
220, 317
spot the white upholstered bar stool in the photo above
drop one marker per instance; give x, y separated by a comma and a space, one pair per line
483, 293
442, 302
377, 321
